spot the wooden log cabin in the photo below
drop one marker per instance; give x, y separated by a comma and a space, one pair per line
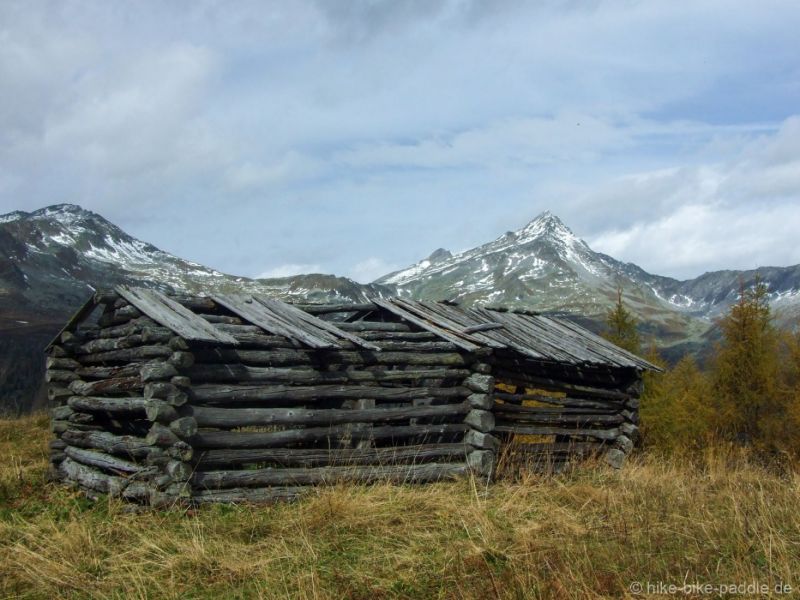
238, 398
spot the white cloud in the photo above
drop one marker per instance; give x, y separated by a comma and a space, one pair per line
370, 269
290, 269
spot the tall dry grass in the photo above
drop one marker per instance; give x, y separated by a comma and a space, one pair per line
585, 534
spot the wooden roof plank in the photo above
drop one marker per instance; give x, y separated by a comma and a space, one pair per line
174, 316
605, 343
259, 315
78, 317
283, 313
426, 325
459, 320
601, 353
522, 340
324, 325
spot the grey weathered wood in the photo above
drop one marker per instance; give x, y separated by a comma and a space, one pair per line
174, 316
241, 373
252, 417
181, 360
128, 355
221, 394
55, 375
61, 413
600, 434
122, 445
508, 418
324, 309
308, 457
374, 326
121, 406
615, 458
256, 313
178, 470
265, 495
481, 462
624, 443
62, 363
157, 371
107, 386
94, 372
484, 441
57, 393
101, 460
482, 420
481, 401
548, 383
158, 410
285, 357
168, 392
120, 343
483, 384
91, 478
161, 436
184, 428
257, 439
315, 323
482, 327
264, 477
427, 325
79, 316
557, 403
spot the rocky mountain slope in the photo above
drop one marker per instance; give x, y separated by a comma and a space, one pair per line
545, 266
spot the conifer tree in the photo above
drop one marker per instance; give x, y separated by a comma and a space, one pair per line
621, 326
746, 370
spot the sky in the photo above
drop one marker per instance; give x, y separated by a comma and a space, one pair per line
355, 137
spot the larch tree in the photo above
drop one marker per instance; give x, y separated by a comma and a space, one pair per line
621, 326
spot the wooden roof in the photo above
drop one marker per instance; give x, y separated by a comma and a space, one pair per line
534, 336
530, 335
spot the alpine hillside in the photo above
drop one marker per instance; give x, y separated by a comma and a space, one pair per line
544, 266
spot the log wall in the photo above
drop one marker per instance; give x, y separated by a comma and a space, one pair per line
143, 414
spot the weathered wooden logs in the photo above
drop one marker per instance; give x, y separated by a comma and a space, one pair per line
258, 439
253, 417
119, 406
264, 477
311, 457
221, 394
241, 373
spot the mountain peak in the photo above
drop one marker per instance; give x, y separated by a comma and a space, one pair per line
545, 224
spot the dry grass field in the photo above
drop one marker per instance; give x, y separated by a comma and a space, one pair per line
589, 533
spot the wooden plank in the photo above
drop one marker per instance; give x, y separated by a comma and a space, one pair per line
323, 309
80, 315
256, 313
426, 325
319, 323
176, 317
460, 321
284, 314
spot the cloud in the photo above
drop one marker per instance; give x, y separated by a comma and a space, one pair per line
290, 269
315, 134
370, 269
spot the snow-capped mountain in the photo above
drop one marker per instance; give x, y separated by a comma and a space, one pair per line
544, 266
51, 258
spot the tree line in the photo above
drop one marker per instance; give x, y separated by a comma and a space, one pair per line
747, 394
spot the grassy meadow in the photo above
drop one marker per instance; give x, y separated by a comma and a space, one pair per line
590, 533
